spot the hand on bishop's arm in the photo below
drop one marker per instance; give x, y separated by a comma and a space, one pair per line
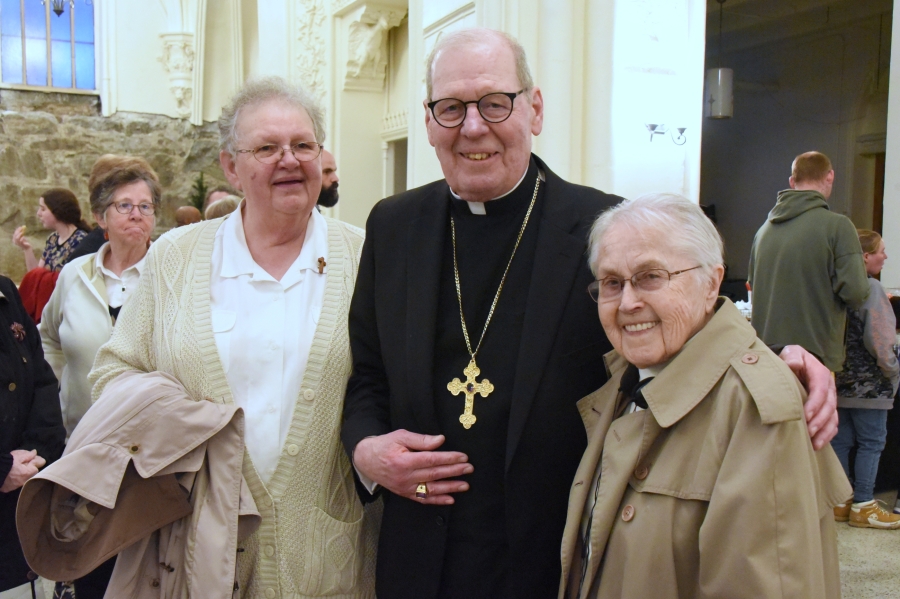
399, 461
821, 404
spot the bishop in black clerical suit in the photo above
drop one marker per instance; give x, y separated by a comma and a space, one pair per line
542, 352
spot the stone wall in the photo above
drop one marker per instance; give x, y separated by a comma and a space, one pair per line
52, 140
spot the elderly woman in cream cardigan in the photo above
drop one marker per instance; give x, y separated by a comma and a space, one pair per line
251, 310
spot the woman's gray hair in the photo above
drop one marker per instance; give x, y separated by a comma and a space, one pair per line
257, 91
466, 37
674, 218
111, 172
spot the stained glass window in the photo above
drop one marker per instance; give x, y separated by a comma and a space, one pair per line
42, 48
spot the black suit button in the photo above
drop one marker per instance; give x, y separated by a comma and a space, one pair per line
440, 520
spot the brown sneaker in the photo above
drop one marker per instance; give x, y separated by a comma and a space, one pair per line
842, 512
872, 515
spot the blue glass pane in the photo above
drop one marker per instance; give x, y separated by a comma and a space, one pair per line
84, 22
61, 27
11, 17
61, 59
35, 20
36, 61
11, 51
84, 66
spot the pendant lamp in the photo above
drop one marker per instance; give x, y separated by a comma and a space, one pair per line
719, 84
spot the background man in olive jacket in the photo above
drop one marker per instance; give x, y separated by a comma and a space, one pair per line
806, 266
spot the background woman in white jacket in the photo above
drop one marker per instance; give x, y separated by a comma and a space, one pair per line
91, 290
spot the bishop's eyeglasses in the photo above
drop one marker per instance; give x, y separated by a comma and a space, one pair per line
303, 151
494, 108
654, 279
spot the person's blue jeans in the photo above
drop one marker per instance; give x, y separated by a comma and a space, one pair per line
867, 430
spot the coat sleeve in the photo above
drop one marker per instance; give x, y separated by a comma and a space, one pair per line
367, 403
131, 344
850, 280
44, 430
879, 333
763, 532
51, 320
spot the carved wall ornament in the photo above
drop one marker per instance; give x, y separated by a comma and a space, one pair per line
178, 60
367, 46
309, 62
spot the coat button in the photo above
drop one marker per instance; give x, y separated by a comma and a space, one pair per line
134, 448
12, 386
309, 394
628, 513
270, 551
270, 593
293, 449
154, 583
31, 575
440, 520
642, 472
750, 358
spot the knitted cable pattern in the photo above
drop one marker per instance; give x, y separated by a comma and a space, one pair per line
316, 538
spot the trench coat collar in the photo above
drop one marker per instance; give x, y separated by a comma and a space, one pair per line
698, 367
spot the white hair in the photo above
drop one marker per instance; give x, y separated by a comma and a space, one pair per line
256, 92
478, 35
672, 217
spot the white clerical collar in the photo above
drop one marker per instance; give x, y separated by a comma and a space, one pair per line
478, 207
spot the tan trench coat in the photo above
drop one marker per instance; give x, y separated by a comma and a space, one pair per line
169, 500
715, 491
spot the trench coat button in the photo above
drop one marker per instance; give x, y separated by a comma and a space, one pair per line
154, 583
750, 358
12, 386
440, 520
134, 448
293, 449
641, 472
270, 551
270, 593
628, 513
309, 394
31, 575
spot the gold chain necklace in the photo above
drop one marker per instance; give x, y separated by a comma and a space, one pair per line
470, 387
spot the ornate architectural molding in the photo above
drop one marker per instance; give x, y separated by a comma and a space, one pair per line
395, 125
367, 43
310, 65
178, 60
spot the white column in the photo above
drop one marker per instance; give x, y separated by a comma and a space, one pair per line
273, 23
890, 276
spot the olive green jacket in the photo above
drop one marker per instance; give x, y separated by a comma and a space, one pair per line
714, 491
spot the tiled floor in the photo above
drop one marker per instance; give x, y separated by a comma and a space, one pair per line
870, 562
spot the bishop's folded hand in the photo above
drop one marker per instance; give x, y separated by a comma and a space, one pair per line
401, 460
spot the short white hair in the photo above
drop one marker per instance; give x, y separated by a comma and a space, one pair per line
674, 218
258, 91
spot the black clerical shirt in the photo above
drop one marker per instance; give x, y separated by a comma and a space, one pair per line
476, 559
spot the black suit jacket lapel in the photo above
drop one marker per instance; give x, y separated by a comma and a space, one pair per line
425, 242
558, 256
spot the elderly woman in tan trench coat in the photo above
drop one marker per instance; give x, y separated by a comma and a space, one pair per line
699, 479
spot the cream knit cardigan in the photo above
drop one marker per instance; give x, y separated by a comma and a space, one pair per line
316, 538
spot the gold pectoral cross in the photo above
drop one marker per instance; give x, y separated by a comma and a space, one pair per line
470, 388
